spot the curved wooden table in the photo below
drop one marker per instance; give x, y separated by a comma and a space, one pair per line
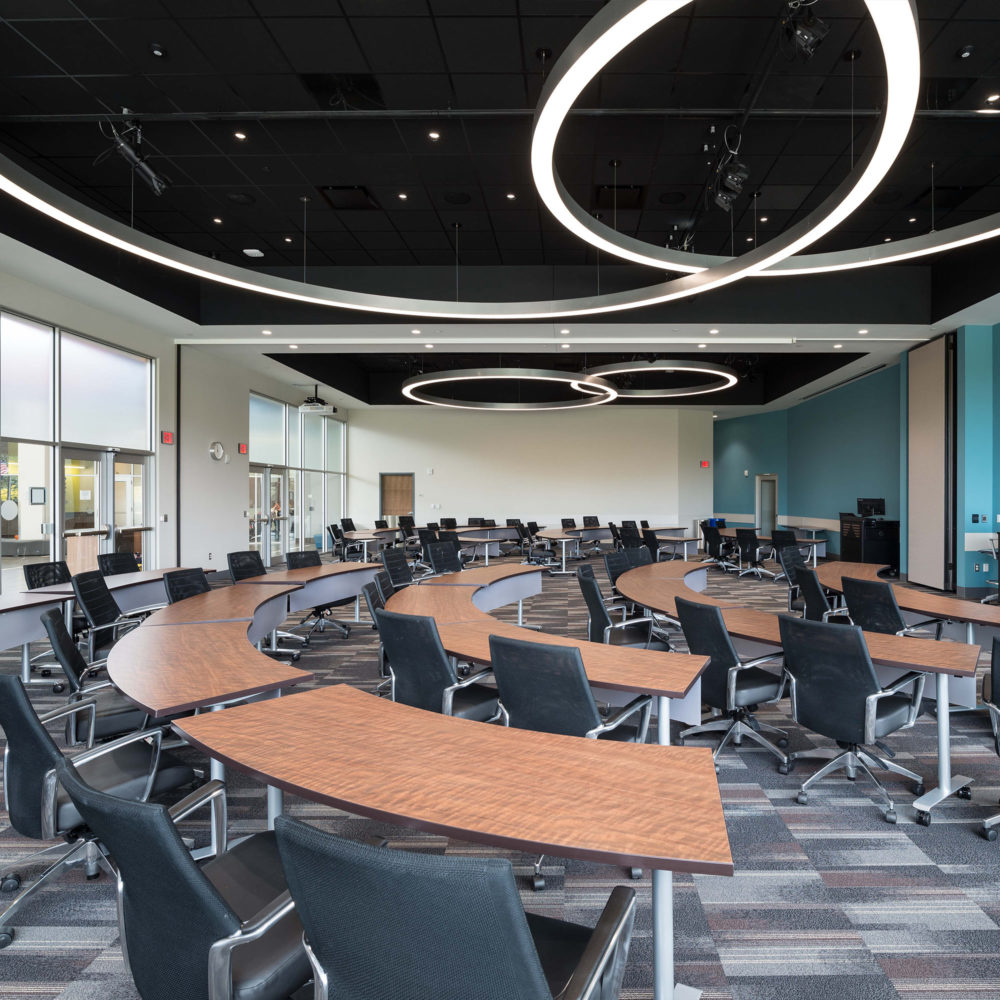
20, 625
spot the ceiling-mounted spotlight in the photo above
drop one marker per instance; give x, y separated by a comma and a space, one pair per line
965, 51
805, 29
158, 50
724, 199
734, 176
157, 183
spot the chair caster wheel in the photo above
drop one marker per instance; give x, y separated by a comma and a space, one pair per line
990, 834
964, 793
635, 873
10, 883
785, 768
783, 742
45, 672
6, 936
923, 818
680, 741
295, 657
95, 876
537, 882
919, 789
802, 798
851, 777
58, 688
890, 815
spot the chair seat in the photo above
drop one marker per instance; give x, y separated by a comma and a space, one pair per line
890, 714
477, 702
560, 946
754, 685
123, 773
249, 877
621, 734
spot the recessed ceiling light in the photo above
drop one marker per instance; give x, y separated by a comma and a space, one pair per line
993, 98
763, 218
239, 136
266, 333
403, 196
862, 332
293, 347
715, 416
429, 346
565, 347
749, 239
912, 218
564, 330
288, 239
434, 136
888, 239
837, 347
713, 332
414, 332
965, 51
158, 50
217, 221
703, 345
253, 252
511, 196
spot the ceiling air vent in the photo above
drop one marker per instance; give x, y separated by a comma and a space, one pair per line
354, 197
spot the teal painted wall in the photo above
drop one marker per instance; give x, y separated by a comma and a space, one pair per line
757, 444
826, 452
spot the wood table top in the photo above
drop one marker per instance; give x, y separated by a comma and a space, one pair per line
178, 668
731, 533
443, 604
307, 574
558, 534
655, 586
362, 534
933, 605
29, 599
116, 581
223, 604
956, 658
479, 576
614, 803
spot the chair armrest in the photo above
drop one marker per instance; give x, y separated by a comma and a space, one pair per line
995, 725
86, 704
211, 793
220, 955
602, 965
915, 678
629, 623
448, 694
156, 735
917, 626
837, 613
756, 662
85, 692
643, 702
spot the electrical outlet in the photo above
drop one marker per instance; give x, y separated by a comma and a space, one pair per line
210, 557
975, 519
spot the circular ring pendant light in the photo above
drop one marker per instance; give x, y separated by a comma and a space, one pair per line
592, 390
722, 377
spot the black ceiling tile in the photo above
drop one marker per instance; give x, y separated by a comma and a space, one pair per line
481, 44
435, 258
519, 240
659, 50
447, 171
338, 171
392, 258
726, 45
819, 138
792, 91
195, 93
515, 221
268, 170
631, 170
297, 8
636, 90
940, 57
332, 241
574, 169
138, 93
223, 136
365, 221
450, 8
504, 171
524, 198
235, 45
784, 196
274, 92
415, 220
428, 240
496, 90
415, 92
79, 50
47, 139
384, 240
470, 221
505, 136
296, 137
399, 44
708, 90
552, 33
31, 9
687, 169
462, 197
134, 38
369, 137
210, 8
975, 9
523, 258
391, 8
56, 95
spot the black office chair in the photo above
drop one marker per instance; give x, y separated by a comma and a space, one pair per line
424, 676
545, 688
475, 522
631, 525
105, 622
873, 608
433, 526
616, 535
398, 567
407, 924
444, 557
489, 522
381, 523
449, 523
782, 537
749, 548
568, 522
631, 539
427, 537
817, 605
638, 556
347, 524
531, 553
717, 548
114, 563
636, 632
40, 809
114, 714
730, 684
321, 615
48, 574
182, 583
791, 561
247, 564
513, 522
616, 563
384, 585
336, 538
835, 693
991, 696
375, 602
227, 928
656, 547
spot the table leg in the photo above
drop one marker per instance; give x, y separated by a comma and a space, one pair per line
665, 987
563, 571
948, 783
217, 772
357, 608
487, 551
814, 554
520, 612
275, 796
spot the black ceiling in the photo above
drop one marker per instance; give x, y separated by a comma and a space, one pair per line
376, 378
340, 90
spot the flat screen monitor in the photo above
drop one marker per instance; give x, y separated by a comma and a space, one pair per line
871, 506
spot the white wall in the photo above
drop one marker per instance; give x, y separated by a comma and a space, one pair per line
616, 463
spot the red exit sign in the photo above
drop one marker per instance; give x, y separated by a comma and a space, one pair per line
704, 464
166, 437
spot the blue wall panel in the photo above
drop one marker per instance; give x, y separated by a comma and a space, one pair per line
757, 444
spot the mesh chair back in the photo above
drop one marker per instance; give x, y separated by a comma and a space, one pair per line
591, 521
182, 583
381, 523
172, 912
303, 560
616, 535
406, 521
616, 563
833, 675
599, 617
489, 522
706, 635
94, 598
243, 565
113, 563
347, 523
396, 565
444, 557
872, 606
631, 538
638, 556
644, 525
475, 522
513, 522
782, 537
568, 522
543, 687
812, 593
385, 923
373, 599
533, 528
995, 677
713, 540
746, 540
384, 586
66, 651
791, 563
651, 542
451, 537
46, 574
426, 536
449, 523
421, 666
433, 526
30, 755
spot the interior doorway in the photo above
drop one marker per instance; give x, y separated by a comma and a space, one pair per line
395, 490
766, 513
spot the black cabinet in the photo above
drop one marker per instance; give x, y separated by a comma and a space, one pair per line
869, 540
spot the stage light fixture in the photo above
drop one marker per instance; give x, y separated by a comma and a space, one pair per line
807, 30
157, 183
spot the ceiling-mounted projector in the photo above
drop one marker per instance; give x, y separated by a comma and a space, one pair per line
313, 404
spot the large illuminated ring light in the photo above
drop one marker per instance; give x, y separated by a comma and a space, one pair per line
614, 27
723, 377
594, 391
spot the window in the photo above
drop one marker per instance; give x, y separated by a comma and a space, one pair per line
267, 431
26, 364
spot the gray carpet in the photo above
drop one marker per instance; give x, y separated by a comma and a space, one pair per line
828, 903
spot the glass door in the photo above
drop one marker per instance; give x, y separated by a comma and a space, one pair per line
86, 521
25, 510
257, 513
131, 527
278, 507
